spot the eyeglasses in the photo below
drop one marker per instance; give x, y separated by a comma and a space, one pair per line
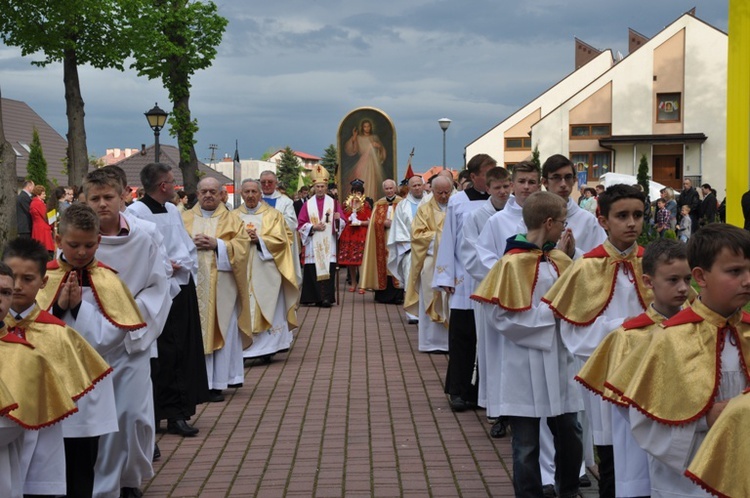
558, 178
563, 222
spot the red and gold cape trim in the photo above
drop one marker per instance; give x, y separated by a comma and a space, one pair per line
585, 291
113, 297
679, 359
511, 282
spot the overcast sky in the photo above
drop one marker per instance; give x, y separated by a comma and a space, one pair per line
288, 71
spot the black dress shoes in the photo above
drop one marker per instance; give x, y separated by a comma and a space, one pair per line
181, 427
130, 493
498, 429
325, 304
215, 396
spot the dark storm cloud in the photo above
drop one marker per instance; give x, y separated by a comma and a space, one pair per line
287, 72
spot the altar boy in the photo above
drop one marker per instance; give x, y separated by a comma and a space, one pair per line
536, 369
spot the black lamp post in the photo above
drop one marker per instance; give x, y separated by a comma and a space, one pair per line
444, 124
157, 117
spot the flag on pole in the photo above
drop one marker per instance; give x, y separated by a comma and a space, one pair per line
409, 171
236, 174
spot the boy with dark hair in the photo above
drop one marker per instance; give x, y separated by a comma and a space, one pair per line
697, 363
35, 401
138, 259
593, 298
536, 379
76, 363
610, 368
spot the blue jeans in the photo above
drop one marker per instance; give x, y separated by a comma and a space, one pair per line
527, 478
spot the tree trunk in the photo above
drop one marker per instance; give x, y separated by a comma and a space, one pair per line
78, 158
185, 142
8, 187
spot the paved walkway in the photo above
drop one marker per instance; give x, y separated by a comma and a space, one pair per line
353, 409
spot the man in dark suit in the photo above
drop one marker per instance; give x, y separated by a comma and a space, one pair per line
690, 197
23, 216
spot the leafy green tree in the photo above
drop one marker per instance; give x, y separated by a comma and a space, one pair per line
8, 185
535, 157
37, 165
330, 159
288, 170
176, 39
94, 32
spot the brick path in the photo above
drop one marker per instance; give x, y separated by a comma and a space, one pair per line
353, 409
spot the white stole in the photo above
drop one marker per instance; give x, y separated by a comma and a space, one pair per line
321, 241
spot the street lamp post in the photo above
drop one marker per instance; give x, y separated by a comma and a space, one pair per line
444, 124
156, 118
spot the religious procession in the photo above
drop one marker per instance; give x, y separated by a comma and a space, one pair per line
554, 320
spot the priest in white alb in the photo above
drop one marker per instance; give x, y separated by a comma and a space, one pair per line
399, 237
222, 243
272, 280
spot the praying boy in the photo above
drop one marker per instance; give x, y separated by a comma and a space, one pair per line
536, 379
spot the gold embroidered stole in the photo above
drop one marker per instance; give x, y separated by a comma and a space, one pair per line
584, 292
321, 241
679, 373
211, 284
112, 296
272, 277
33, 384
76, 363
511, 281
426, 228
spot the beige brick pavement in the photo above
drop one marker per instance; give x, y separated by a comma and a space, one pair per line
353, 409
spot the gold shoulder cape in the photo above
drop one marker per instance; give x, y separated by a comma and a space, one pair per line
684, 357
511, 281
7, 402
426, 227
374, 272
113, 297
614, 353
77, 364
584, 292
716, 465
42, 397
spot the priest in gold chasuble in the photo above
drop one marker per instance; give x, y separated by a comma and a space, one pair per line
222, 243
271, 275
431, 305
